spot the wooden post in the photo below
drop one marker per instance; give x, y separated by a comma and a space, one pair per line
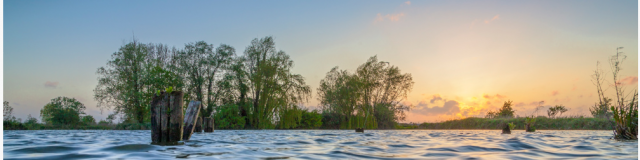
166, 118
176, 123
208, 124
198, 126
190, 119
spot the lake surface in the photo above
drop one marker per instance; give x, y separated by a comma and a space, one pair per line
320, 144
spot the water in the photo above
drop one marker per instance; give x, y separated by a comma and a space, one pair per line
320, 144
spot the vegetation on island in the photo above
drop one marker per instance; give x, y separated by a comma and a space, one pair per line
252, 90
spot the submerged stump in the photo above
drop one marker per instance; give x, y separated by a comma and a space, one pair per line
529, 128
359, 130
506, 129
208, 124
166, 118
190, 119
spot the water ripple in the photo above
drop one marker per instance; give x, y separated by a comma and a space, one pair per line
320, 144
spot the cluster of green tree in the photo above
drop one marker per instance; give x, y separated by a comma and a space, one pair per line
541, 122
506, 111
255, 90
60, 113
369, 98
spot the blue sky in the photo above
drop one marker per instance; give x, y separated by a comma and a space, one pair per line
526, 51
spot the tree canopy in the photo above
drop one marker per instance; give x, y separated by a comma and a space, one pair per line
62, 110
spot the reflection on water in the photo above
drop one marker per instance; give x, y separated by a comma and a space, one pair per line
320, 144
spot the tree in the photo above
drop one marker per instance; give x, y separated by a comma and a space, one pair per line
492, 114
506, 111
133, 75
553, 111
30, 120
88, 120
376, 89
7, 111
271, 84
384, 87
62, 110
120, 84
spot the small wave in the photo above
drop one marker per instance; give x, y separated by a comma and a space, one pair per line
131, 148
47, 149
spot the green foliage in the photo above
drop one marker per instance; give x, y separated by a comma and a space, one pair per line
601, 109
311, 119
511, 126
626, 119
492, 114
506, 111
62, 111
88, 120
530, 123
228, 117
374, 90
553, 111
560, 123
10, 122
273, 88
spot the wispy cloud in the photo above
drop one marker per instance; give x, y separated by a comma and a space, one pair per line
448, 108
435, 97
407, 2
390, 17
49, 84
630, 80
486, 21
554, 93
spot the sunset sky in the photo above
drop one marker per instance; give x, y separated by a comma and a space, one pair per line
466, 57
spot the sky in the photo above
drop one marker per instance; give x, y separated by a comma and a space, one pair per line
465, 57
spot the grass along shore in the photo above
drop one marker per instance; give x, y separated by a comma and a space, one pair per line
542, 123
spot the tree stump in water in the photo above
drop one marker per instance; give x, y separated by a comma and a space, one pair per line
198, 126
190, 119
208, 124
360, 130
506, 129
166, 118
529, 128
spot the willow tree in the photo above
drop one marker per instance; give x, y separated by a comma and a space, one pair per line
273, 87
340, 95
376, 89
384, 87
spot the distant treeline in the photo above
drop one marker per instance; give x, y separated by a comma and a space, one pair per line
253, 90
561, 123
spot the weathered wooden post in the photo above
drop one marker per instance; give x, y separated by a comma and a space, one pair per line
166, 118
208, 124
190, 119
198, 126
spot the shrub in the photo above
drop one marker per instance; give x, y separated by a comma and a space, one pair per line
311, 119
228, 117
626, 120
